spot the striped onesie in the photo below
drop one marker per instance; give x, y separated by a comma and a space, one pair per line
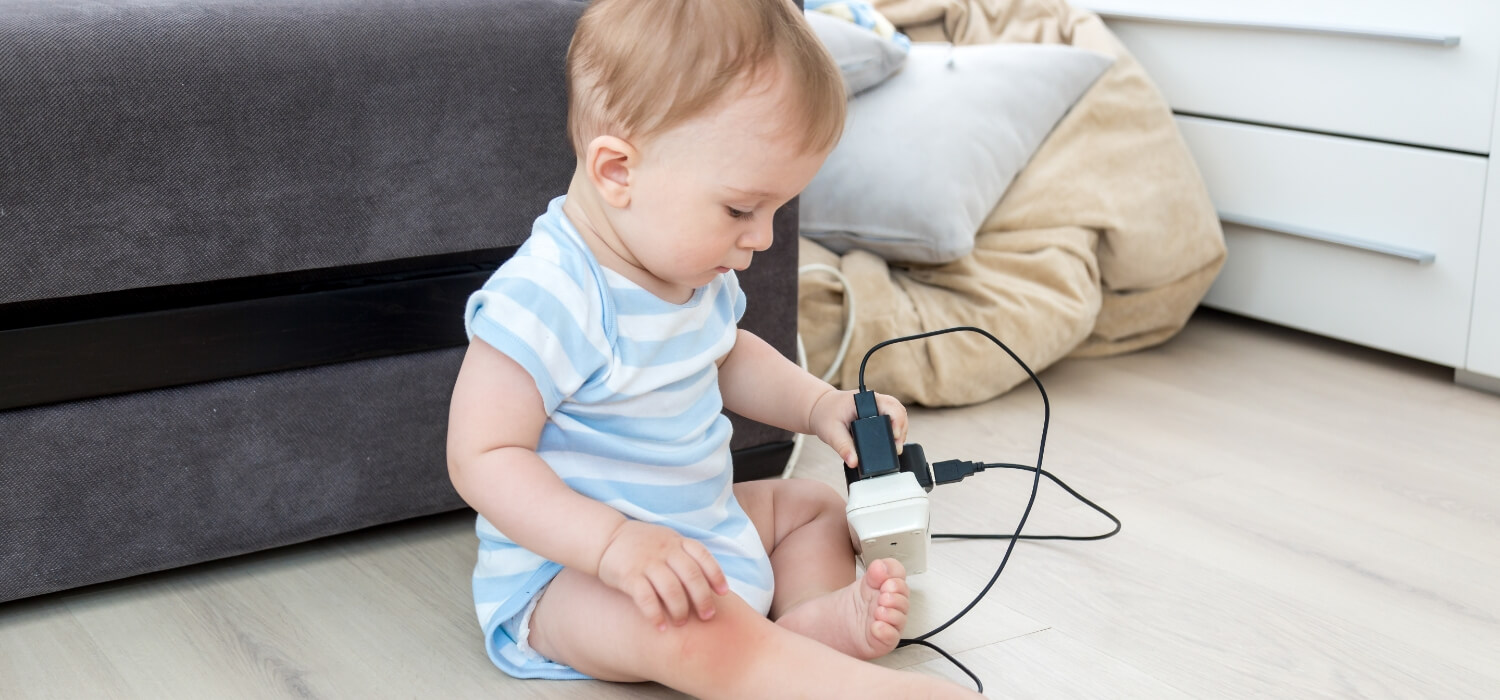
634, 420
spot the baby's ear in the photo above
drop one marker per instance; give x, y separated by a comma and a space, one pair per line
609, 162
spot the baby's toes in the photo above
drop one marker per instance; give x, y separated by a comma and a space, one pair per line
885, 636
892, 621
895, 601
883, 571
894, 569
877, 574
896, 586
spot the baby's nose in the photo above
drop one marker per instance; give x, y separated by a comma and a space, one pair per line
759, 237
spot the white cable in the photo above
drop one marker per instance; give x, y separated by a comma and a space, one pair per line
791, 460
838, 358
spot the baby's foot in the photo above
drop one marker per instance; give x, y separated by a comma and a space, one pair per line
863, 619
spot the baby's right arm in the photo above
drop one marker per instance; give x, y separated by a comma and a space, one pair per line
494, 423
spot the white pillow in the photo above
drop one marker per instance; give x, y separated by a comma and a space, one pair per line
929, 153
864, 57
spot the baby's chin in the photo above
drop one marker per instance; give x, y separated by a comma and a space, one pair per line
706, 278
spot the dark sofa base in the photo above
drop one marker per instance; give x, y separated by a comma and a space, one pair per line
112, 487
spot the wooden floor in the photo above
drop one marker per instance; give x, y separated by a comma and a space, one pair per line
1302, 518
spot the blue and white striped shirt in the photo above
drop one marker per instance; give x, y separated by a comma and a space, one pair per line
635, 421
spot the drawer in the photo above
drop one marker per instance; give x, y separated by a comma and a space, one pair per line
1408, 72
1399, 227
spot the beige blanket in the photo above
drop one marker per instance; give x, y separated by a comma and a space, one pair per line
1105, 242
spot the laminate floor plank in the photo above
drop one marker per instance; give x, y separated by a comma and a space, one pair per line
40, 642
1047, 665
1362, 572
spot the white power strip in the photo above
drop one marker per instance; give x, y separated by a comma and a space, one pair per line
889, 517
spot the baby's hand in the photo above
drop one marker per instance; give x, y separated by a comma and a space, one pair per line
834, 411
666, 574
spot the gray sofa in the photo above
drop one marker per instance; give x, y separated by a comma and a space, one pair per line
235, 241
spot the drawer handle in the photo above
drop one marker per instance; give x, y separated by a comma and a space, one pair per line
1382, 34
1420, 257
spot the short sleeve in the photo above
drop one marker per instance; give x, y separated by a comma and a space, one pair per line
736, 296
546, 321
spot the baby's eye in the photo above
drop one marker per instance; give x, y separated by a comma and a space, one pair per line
736, 213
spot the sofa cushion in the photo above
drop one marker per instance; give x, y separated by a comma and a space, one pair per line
161, 143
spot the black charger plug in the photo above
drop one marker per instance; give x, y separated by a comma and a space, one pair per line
874, 441
914, 460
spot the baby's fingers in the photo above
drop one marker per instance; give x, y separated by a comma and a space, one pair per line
670, 590
643, 594
708, 565
843, 444
694, 584
889, 406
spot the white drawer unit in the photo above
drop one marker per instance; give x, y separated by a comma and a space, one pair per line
1367, 242
1408, 72
1351, 149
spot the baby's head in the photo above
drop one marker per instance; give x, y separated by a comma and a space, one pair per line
693, 121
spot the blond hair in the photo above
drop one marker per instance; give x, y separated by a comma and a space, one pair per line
637, 68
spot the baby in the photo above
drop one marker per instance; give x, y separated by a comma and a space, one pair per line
586, 425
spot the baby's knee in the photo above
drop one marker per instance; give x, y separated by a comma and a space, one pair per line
817, 496
597, 630
729, 644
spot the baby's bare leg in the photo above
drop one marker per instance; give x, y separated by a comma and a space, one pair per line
736, 654
803, 527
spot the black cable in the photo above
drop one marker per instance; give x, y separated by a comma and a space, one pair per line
1037, 472
978, 685
1065, 487
1041, 451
